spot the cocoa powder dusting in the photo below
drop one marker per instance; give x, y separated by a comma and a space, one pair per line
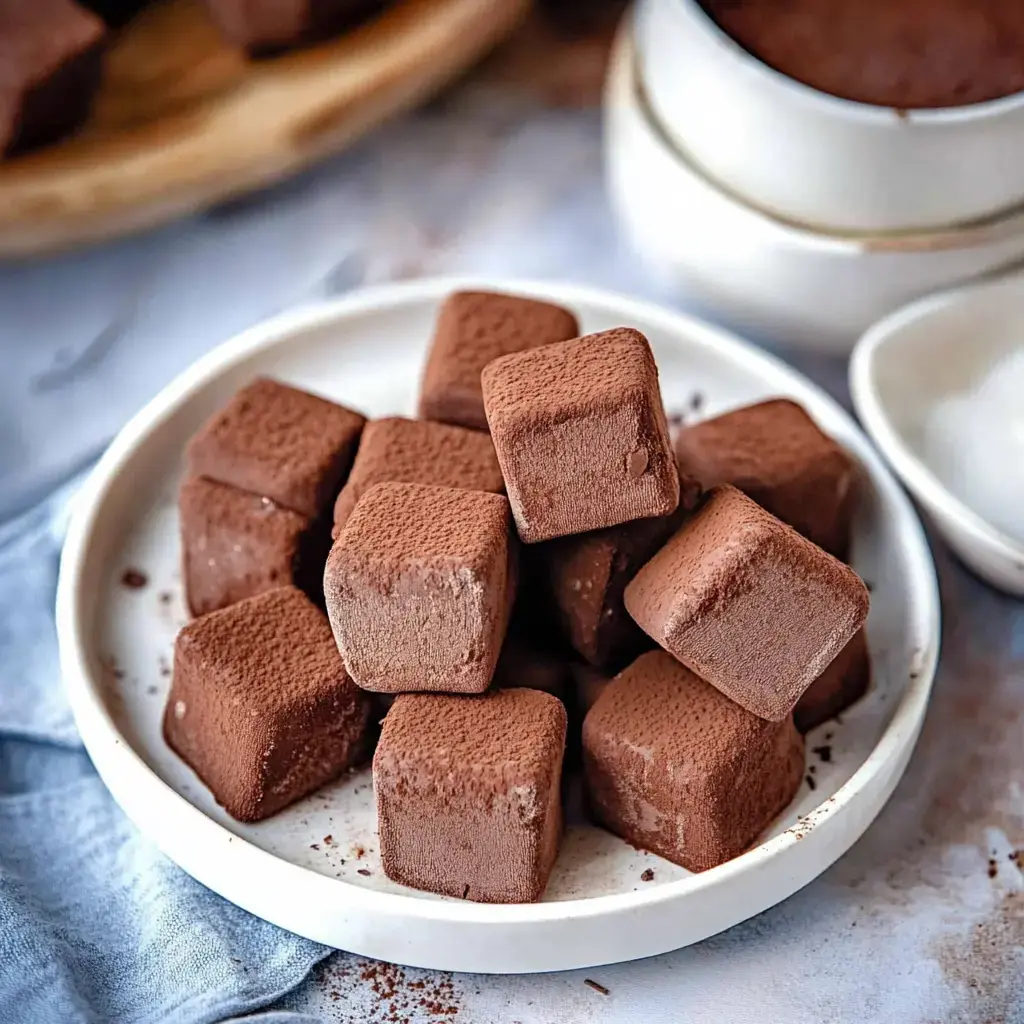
397, 995
956, 798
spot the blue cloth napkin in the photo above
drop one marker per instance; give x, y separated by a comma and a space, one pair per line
95, 923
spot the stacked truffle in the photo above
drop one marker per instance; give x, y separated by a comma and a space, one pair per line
51, 52
475, 573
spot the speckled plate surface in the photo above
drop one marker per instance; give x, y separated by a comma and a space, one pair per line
314, 868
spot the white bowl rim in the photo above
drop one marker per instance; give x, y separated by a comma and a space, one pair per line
871, 113
94, 718
963, 235
911, 468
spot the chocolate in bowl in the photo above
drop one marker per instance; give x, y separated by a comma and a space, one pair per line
907, 54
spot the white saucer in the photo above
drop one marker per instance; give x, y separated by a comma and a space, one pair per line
116, 645
902, 369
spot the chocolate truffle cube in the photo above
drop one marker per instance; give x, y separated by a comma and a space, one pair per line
580, 434
472, 329
673, 766
843, 683
419, 452
419, 586
467, 790
236, 545
280, 443
263, 29
50, 52
587, 575
115, 12
588, 685
261, 707
747, 603
776, 454
523, 664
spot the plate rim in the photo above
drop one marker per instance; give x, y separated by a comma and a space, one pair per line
115, 758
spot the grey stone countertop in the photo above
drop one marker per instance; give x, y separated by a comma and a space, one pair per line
922, 921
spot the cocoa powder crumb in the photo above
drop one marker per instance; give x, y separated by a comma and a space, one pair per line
647, 876
1017, 856
365, 872
396, 997
596, 986
166, 597
824, 752
111, 666
328, 840
134, 579
993, 868
314, 846
811, 784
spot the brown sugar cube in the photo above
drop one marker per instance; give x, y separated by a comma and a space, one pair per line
747, 603
843, 683
673, 766
261, 706
263, 29
776, 454
472, 329
280, 443
586, 576
50, 66
419, 585
467, 789
419, 452
580, 434
235, 545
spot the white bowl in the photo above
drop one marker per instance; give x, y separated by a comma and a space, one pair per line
918, 357
816, 158
763, 275
367, 350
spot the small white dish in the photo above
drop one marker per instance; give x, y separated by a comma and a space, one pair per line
116, 646
929, 353
816, 158
763, 275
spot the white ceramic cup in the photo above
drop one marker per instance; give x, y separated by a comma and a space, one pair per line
764, 276
815, 158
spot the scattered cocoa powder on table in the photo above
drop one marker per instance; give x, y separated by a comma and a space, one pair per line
398, 994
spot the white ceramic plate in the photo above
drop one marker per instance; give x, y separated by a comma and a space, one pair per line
116, 645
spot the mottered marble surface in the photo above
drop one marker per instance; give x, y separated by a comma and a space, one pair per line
923, 921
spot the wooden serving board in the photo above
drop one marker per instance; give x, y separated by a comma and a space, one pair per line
184, 121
